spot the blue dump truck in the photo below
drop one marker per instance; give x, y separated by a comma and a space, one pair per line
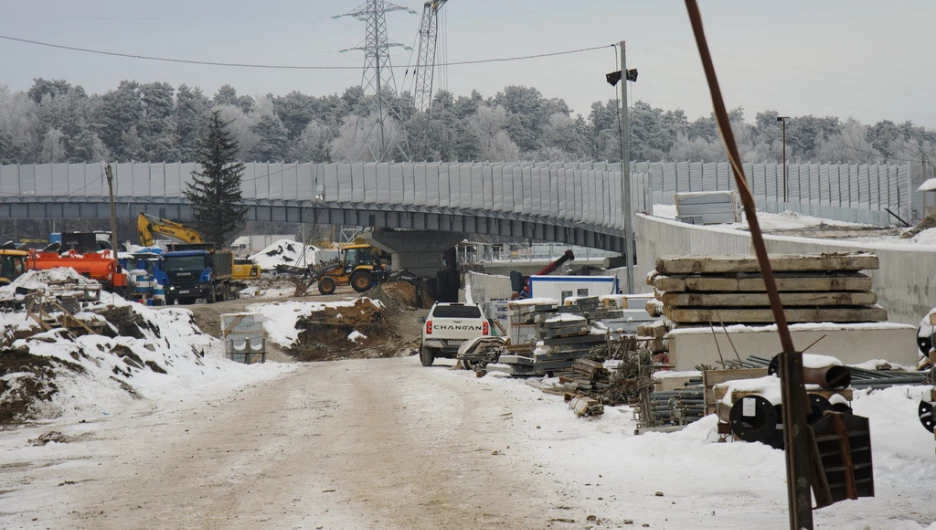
190, 272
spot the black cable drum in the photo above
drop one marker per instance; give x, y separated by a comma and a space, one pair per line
753, 419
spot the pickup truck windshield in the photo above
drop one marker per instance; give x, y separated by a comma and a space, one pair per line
456, 311
185, 263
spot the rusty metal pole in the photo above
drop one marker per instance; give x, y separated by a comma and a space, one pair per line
113, 209
795, 405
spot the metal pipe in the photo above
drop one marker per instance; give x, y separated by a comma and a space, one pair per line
829, 377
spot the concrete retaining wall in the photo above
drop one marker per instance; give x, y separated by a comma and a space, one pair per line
905, 282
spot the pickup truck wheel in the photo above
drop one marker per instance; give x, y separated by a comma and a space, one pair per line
361, 281
426, 356
326, 285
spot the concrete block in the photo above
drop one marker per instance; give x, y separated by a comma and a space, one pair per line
851, 343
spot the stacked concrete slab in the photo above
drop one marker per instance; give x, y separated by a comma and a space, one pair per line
827, 298
700, 290
560, 335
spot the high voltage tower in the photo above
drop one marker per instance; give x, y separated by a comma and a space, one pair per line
425, 59
377, 78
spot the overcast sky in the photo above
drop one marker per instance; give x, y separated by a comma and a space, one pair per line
867, 59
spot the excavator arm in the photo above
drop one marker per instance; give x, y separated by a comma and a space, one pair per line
149, 226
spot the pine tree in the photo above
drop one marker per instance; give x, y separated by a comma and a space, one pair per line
215, 191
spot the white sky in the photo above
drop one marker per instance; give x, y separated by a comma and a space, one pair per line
861, 58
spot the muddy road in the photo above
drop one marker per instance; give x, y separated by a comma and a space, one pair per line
360, 444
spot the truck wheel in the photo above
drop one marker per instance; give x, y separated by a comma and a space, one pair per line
326, 285
426, 356
361, 281
214, 296
226, 293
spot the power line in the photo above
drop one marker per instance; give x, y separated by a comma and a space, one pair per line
283, 66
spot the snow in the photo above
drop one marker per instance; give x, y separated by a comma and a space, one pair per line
107, 381
285, 252
565, 317
671, 374
929, 185
532, 301
41, 280
279, 318
926, 237
356, 335
730, 486
813, 360
811, 326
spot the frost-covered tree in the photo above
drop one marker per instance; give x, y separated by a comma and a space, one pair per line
132, 146
272, 140
215, 191
239, 125
313, 143
358, 140
53, 147
192, 112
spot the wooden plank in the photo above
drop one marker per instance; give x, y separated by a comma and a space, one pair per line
719, 392
721, 263
761, 300
752, 316
788, 282
711, 378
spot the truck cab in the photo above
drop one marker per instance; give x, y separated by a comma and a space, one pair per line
447, 327
191, 274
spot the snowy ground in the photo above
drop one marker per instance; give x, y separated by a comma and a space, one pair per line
768, 221
389, 444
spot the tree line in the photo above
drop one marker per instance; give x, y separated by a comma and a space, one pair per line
55, 121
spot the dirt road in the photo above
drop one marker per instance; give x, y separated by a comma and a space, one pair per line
381, 443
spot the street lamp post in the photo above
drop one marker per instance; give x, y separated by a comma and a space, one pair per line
782, 120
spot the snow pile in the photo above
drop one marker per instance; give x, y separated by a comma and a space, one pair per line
285, 252
279, 319
160, 354
33, 280
356, 336
926, 237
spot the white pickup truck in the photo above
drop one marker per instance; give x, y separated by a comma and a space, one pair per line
447, 327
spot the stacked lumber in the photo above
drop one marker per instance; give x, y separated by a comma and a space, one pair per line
729, 289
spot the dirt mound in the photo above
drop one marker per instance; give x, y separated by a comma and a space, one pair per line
342, 331
928, 222
403, 294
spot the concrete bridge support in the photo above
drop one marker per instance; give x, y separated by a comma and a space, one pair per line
418, 251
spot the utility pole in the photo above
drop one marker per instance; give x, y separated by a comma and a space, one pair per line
625, 179
113, 209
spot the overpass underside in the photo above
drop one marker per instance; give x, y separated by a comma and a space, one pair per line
461, 220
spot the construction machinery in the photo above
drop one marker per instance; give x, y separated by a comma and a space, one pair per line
13, 263
100, 266
149, 226
197, 272
521, 286
359, 266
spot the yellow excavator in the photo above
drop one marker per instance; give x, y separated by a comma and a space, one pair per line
150, 226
